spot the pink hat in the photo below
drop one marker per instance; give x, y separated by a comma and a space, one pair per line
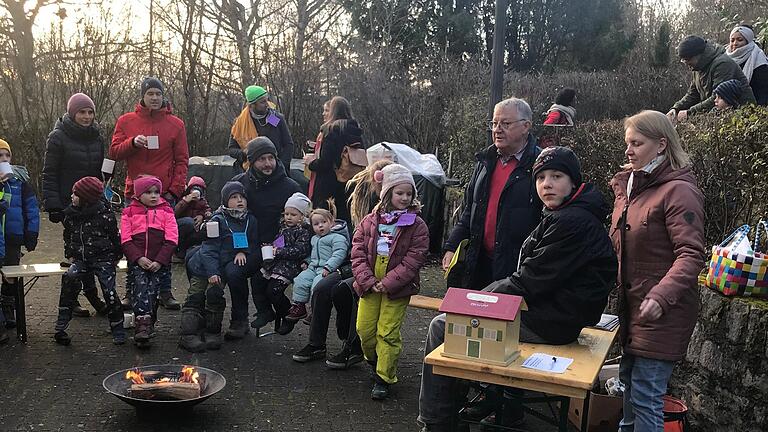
393, 175
143, 184
77, 102
196, 181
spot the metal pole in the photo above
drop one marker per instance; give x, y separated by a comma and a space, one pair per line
151, 40
497, 59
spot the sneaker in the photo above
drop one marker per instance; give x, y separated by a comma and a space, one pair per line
62, 338
380, 391
309, 353
344, 359
80, 311
285, 327
296, 312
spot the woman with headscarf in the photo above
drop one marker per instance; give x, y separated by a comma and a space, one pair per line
339, 130
751, 59
75, 149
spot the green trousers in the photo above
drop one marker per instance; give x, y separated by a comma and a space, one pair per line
378, 324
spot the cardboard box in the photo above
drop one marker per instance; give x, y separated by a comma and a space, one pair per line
605, 412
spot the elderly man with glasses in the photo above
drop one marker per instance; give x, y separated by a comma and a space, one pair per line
259, 118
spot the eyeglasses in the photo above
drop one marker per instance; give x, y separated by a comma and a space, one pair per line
505, 125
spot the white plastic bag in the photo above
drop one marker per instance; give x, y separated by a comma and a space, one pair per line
425, 165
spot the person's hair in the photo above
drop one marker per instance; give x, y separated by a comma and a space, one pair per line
328, 214
385, 203
339, 108
565, 96
523, 109
656, 125
365, 188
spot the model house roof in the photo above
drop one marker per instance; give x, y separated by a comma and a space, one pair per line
482, 304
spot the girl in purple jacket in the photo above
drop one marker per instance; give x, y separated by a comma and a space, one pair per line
388, 249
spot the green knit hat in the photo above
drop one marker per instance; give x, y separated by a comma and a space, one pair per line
253, 93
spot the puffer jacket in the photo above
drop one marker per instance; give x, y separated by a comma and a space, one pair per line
714, 67
408, 254
149, 232
298, 246
71, 153
215, 253
90, 234
658, 234
169, 163
198, 207
22, 218
567, 269
329, 251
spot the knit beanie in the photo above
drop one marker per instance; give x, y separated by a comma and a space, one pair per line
565, 97
196, 181
4, 145
691, 46
230, 188
300, 202
260, 146
143, 184
88, 189
151, 83
77, 102
393, 175
561, 159
254, 93
729, 91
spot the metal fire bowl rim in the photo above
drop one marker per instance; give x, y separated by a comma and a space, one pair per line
211, 386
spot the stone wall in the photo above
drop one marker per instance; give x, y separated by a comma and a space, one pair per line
724, 377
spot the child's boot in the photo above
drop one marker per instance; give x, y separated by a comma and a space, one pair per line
191, 325
296, 312
237, 330
118, 332
213, 339
62, 322
8, 304
143, 328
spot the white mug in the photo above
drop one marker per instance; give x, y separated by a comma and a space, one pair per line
212, 229
196, 193
267, 253
5, 168
153, 142
108, 166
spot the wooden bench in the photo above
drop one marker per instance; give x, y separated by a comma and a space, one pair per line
34, 272
424, 302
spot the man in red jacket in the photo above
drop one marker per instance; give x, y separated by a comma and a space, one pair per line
151, 140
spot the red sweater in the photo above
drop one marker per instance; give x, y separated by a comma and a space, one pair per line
498, 181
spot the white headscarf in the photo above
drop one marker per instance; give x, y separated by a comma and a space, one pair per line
750, 54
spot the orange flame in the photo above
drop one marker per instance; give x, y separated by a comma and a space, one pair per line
188, 374
135, 376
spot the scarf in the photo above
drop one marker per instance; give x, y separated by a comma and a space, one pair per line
568, 111
243, 131
397, 217
652, 165
234, 213
750, 55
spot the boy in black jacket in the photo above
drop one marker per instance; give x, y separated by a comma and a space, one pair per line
91, 244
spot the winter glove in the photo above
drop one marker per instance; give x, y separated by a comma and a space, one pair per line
55, 216
499, 285
30, 240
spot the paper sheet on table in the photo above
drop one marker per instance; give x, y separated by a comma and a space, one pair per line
547, 363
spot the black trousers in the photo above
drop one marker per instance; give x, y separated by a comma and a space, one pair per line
333, 292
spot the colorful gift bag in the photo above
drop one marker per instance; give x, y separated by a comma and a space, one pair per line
739, 270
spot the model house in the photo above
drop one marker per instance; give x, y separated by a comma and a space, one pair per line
482, 326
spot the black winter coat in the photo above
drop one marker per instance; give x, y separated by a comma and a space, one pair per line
90, 234
519, 212
567, 268
71, 153
298, 246
266, 198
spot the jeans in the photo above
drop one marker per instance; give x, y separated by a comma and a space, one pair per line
645, 381
333, 292
442, 396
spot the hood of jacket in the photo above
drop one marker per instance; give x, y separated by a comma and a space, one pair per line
144, 111
76, 131
340, 227
706, 58
589, 198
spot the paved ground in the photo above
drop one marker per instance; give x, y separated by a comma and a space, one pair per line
46, 387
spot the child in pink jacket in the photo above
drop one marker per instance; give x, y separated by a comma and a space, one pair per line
388, 249
149, 235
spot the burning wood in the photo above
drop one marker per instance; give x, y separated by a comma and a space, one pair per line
186, 384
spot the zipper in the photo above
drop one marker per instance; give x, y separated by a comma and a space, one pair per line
146, 236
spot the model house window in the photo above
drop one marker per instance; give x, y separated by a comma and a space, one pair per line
489, 334
459, 330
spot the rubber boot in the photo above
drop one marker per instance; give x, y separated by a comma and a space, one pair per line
213, 338
191, 325
143, 328
8, 304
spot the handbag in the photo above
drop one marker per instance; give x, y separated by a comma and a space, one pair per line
739, 270
353, 160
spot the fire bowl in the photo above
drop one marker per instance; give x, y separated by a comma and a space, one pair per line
118, 385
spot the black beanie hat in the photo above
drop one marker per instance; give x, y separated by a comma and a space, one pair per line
561, 159
729, 91
151, 83
260, 146
565, 97
691, 46
230, 188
